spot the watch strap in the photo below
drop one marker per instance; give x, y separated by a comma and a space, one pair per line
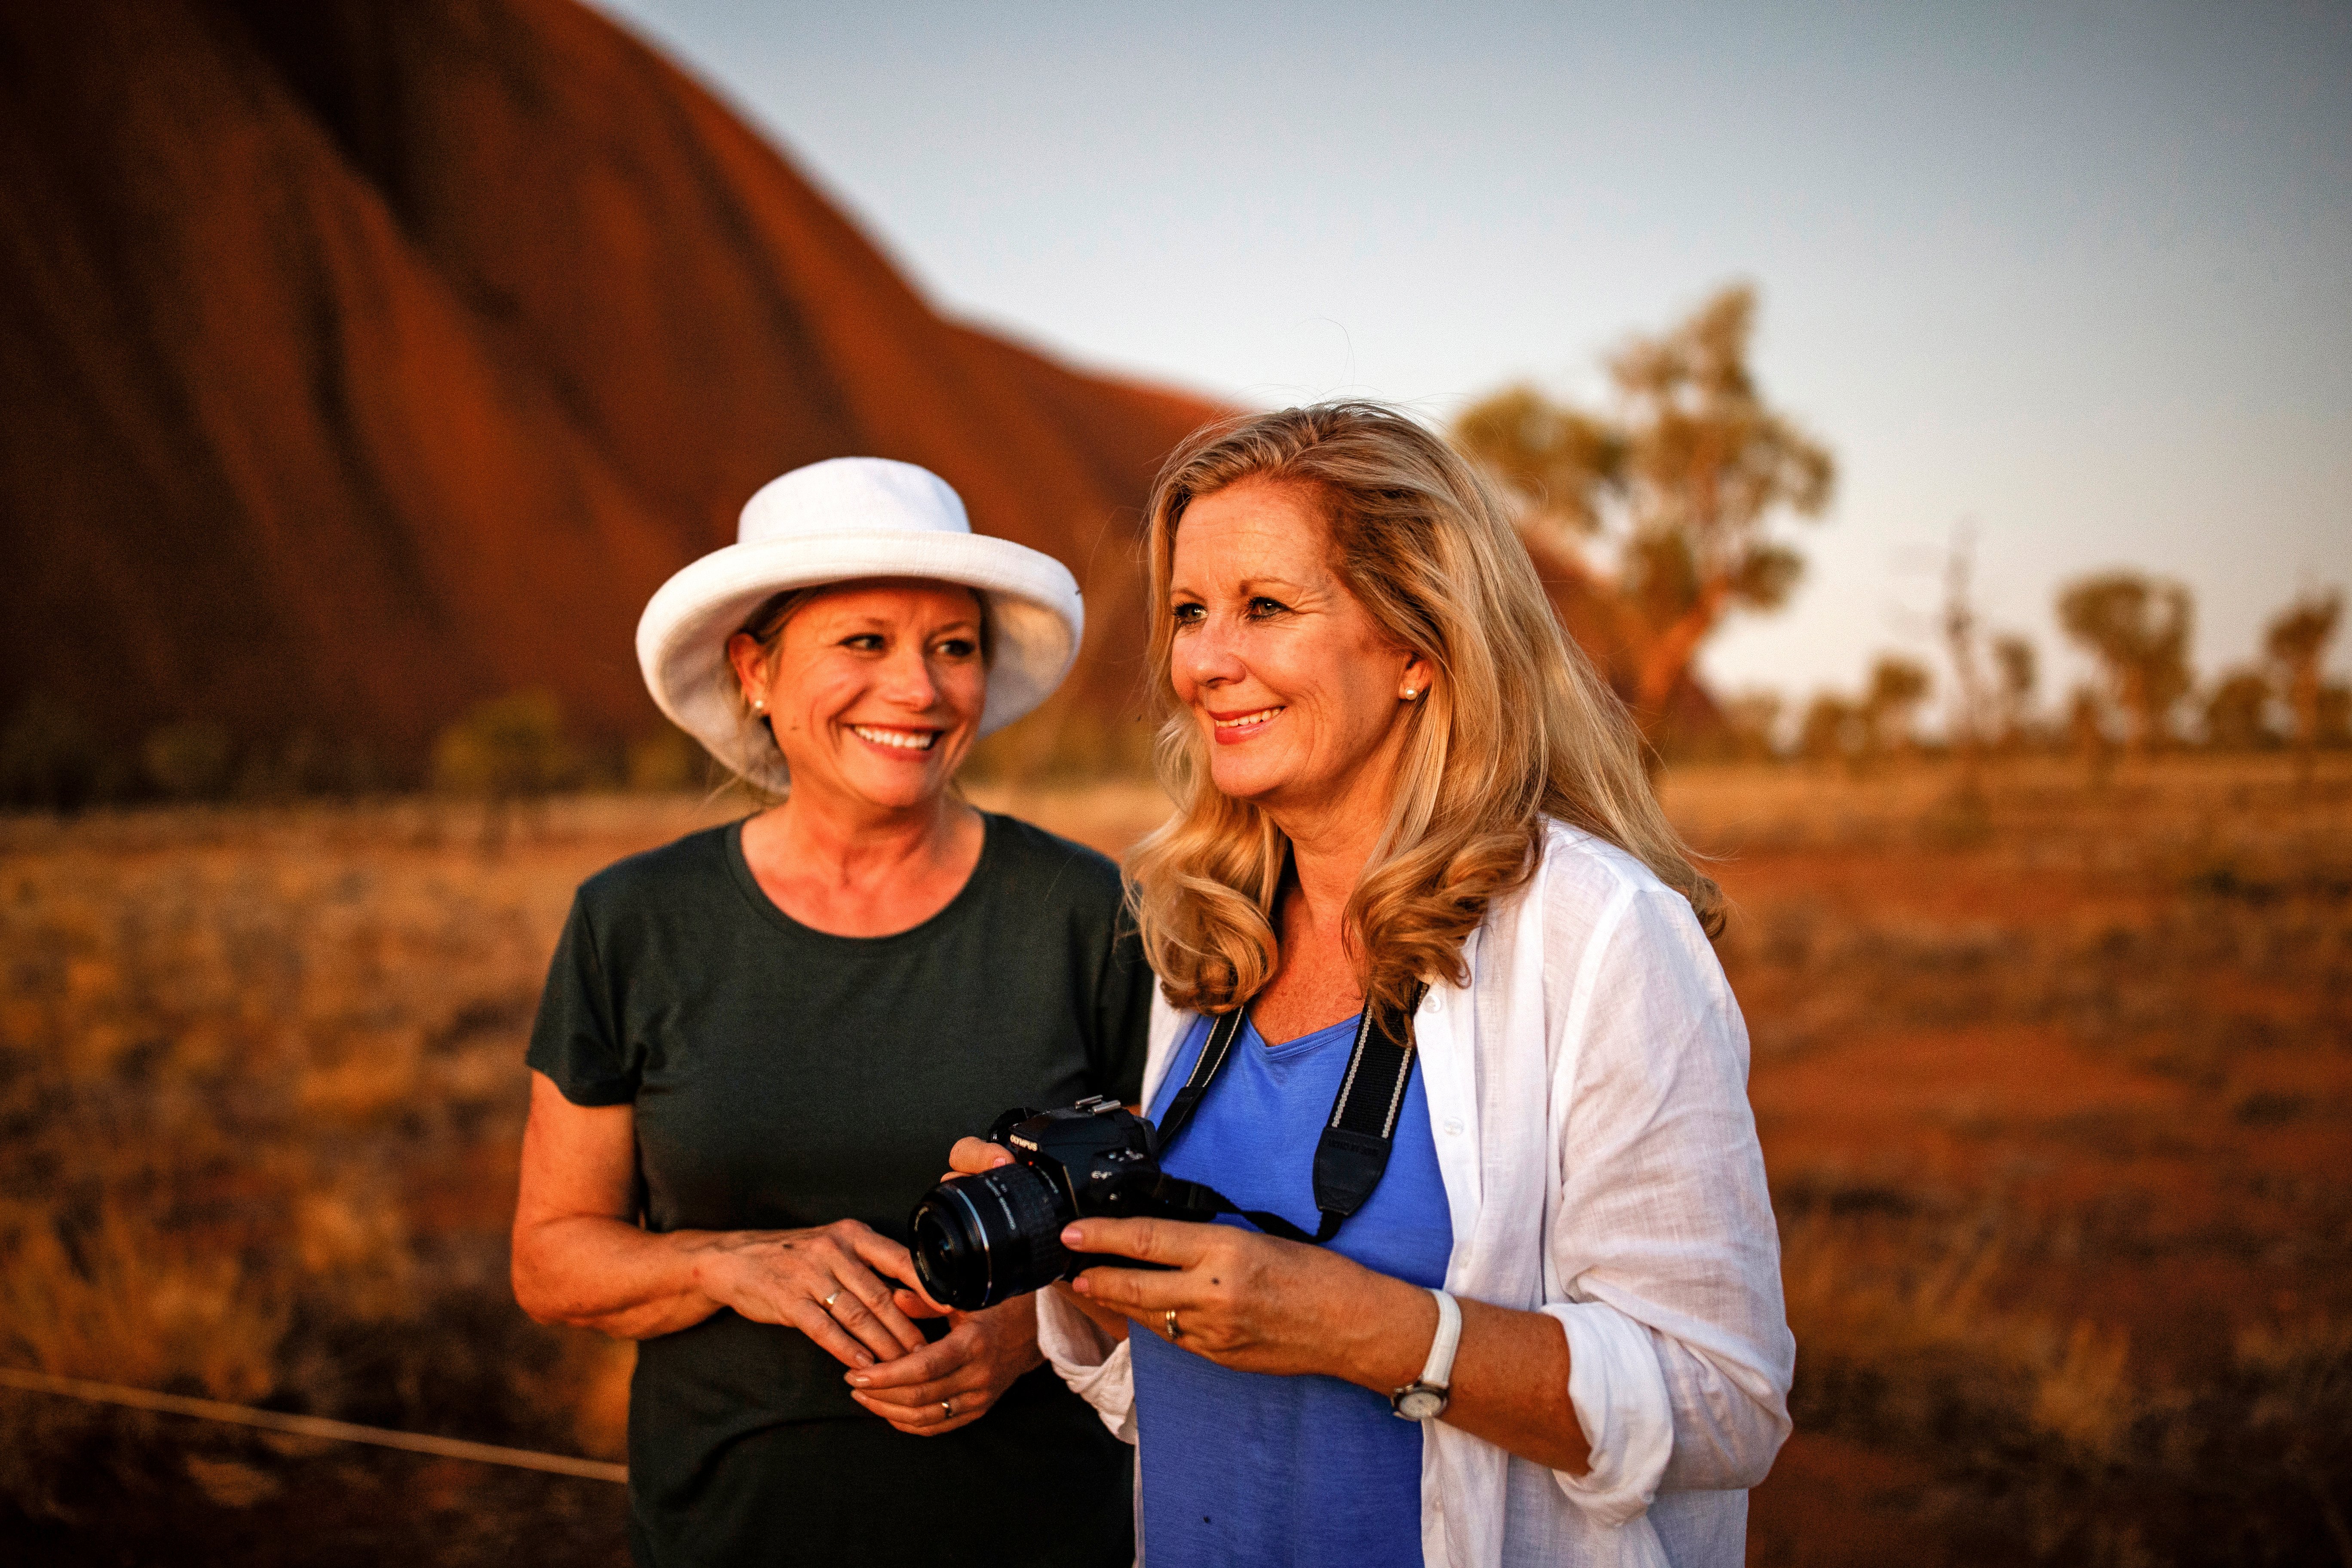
1437, 1372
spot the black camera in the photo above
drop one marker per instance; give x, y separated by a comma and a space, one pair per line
982, 1239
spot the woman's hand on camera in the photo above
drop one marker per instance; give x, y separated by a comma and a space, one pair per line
835, 1283
971, 1156
1257, 1303
953, 1380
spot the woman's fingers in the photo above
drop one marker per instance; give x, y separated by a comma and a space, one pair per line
973, 1155
862, 1304
917, 1369
870, 1301
810, 1318
929, 1420
945, 1384
1139, 1293
819, 1281
895, 1262
936, 1389
1188, 1249
1178, 1243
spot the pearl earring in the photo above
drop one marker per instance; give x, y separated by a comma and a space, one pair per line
758, 705
1409, 693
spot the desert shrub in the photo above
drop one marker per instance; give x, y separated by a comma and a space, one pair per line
1834, 729
2332, 725
189, 759
52, 759
125, 1300
2053, 1446
2238, 712
507, 748
666, 760
261, 1096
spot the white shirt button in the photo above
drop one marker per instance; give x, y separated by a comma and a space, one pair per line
1454, 1127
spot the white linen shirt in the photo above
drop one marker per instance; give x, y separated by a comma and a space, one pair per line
1588, 1096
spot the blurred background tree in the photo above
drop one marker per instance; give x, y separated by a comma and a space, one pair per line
2015, 667
1684, 476
1834, 729
1755, 718
506, 751
1890, 705
665, 760
2238, 712
52, 759
2139, 628
2294, 642
1553, 461
2087, 715
189, 759
509, 748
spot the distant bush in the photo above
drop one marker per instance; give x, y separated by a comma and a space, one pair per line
1834, 729
665, 762
46, 756
2139, 628
2238, 713
507, 747
52, 759
189, 759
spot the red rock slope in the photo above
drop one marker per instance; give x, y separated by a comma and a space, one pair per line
363, 358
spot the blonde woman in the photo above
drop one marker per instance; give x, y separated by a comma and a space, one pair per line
1402, 794
755, 1042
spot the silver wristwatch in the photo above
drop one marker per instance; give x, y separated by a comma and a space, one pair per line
1425, 1398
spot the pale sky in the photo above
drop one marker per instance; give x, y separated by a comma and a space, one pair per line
2078, 276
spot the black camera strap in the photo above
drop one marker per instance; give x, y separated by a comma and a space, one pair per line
1353, 1153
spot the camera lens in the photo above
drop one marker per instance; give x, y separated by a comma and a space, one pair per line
987, 1238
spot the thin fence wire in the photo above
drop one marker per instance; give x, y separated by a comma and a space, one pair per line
310, 1425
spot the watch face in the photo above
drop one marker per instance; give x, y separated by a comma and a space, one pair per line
1421, 1403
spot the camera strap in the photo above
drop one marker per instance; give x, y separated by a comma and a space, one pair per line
1353, 1153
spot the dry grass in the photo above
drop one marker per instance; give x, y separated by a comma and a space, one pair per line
261, 1078
2056, 1089
2055, 1084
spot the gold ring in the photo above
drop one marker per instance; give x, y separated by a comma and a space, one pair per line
948, 1405
829, 1301
1172, 1330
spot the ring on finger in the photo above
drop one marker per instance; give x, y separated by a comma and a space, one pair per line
829, 1301
1173, 1331
948, 1405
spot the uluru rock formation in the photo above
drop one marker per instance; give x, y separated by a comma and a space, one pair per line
365, 358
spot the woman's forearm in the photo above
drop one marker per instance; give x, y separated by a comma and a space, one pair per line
1510, 1387
593, 1271
1509, 1383
1255, 1304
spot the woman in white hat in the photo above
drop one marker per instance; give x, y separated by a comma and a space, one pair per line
755, 1042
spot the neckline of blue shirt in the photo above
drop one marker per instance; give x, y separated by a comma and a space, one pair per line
1299, 1046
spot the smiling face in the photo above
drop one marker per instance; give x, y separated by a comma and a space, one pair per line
1299, 696
874, 691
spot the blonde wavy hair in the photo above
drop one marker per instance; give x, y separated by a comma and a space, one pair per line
1516, 728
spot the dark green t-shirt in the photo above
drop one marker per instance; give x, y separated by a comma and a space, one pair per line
782, 1077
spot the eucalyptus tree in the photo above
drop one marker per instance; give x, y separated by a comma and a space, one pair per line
1681, 478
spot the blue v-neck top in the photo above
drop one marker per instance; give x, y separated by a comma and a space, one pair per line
1242, 1467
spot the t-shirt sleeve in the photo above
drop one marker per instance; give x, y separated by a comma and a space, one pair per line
576, 1040
1122, 1014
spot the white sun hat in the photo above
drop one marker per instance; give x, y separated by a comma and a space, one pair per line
836, 521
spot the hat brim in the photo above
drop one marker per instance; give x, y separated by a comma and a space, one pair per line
1035, 621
